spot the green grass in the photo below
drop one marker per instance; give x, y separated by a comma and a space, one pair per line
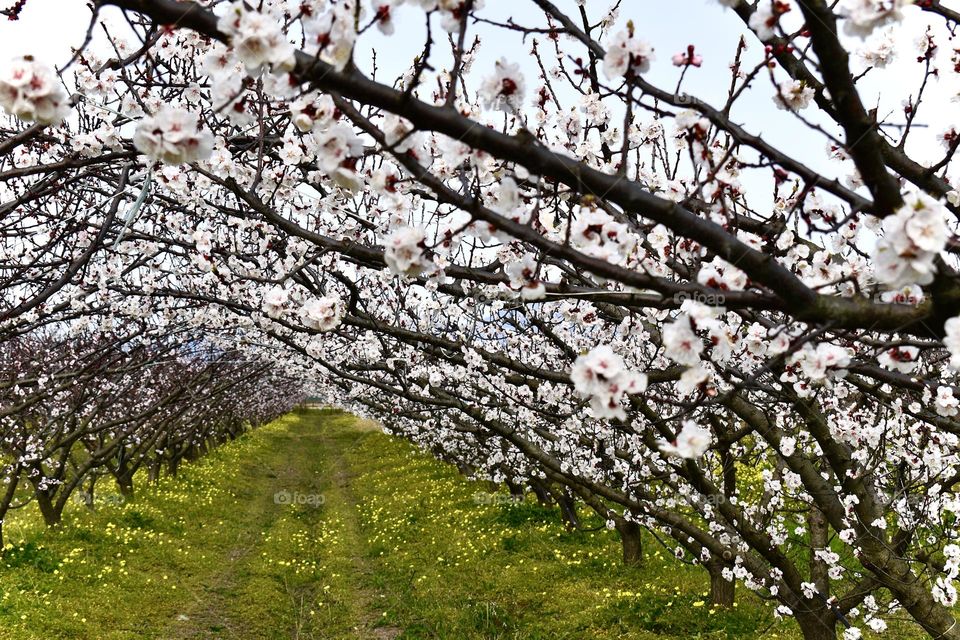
402, 547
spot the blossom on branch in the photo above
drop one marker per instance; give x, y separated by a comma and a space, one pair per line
627, 54
692, 442
322, 314
602, 376
793, 95
912, 239
403, 251
173, 136
257, 39
31, 91
505, 89
275, 301
523, 277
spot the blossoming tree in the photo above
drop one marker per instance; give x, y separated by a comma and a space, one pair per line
567, 269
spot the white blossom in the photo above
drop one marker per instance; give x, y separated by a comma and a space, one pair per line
403, 251
322, 314
627, 53
692, 441
275, 301
912, 239
257, 39
31, 91
173, 136
602, 376
505, 89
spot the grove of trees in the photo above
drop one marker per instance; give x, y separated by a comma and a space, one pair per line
529, 241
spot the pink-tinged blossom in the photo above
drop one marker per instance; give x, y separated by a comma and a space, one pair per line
257, 39
310, 111
173, 136
944, 403
687, 58
451, 11
680, 343
322, 314
912, 239
337, 149
902, 359
793, 95
31, 91
818, 361
627, 54
691, 443
766, 17
523, 277
880, 51
384, 12
331, 35
595, 233
403, 251
863, 16
720, 274
275, 301
505, 89
602, 376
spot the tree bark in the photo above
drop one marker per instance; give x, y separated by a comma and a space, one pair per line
722, 591
818, 624
52, 513
630, 541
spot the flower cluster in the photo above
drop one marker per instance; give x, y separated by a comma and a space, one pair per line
688, 58
818, 362
863, 16
275, 301
403, 251
30, 91
692, 442
337, 148
257, 39
322, 314
523, 277
766, 17
602, 376
912, 239
627, 54
793, 95
331, 35
595, 233
504, 90
173, 136
680, 343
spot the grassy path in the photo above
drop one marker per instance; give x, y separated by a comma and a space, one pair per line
240, 546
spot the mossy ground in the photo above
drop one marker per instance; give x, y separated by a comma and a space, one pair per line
401, 547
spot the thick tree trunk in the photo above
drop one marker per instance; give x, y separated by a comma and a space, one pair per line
153, 471
543, 496
568, 507
515, 489
722, 591
52, 512
820, 624
125, 484
630, 541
